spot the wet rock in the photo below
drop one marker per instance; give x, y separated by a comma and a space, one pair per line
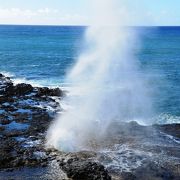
15, 133
21, 120
82, 169
153, 171
171, 129
4, 99
5, 160
9, 89
1, 75
10, 108
5, 121
44, 91
2, 128
127, 176
18, 162
18, 115
18, 90
22, 89
4, 80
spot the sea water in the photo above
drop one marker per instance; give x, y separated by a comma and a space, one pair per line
42, 55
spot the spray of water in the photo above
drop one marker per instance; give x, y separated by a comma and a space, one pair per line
107, 82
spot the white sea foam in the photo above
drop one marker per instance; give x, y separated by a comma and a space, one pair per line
31, 143
7, 74
123, 158
16, 80
24, 80
166, 118
51, 83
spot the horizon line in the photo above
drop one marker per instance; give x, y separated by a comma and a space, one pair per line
78, 25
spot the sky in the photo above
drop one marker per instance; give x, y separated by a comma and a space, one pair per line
78, 12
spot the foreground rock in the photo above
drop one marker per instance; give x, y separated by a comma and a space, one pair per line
127, 151
83, 169
25, 115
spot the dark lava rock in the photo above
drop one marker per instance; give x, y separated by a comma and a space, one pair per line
171, 129
9, 90
4, 121
2, 128
22, 89
83, 169
6, 155
4, 99
127, 176
154, 171
10, 108
1, 75
15, 133
18, 90
45, 91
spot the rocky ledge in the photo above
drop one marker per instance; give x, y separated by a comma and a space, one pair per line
129, 151
25, 115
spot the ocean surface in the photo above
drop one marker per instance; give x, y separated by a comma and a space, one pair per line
42, 55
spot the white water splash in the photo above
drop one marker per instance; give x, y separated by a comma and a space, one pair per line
106, 78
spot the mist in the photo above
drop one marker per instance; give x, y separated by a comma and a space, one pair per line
105, 80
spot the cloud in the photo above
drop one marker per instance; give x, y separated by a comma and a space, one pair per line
52, 16
41, 16
16, 12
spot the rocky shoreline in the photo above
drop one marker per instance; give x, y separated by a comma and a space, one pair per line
130, 152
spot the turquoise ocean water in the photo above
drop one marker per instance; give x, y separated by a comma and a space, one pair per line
43, 55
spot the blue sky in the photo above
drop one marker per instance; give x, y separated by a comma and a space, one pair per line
77, 12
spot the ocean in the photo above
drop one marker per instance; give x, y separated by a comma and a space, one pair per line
42, 55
